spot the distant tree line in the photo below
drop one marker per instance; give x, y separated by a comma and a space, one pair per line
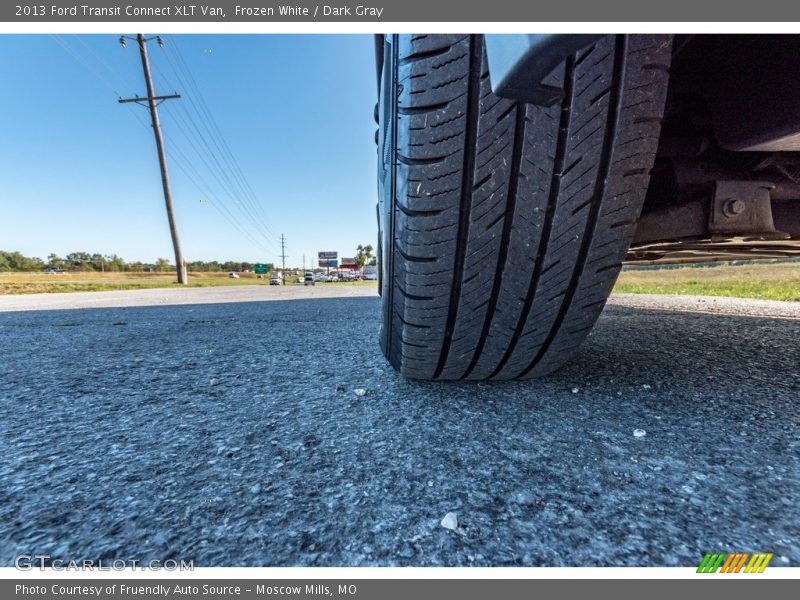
85, 261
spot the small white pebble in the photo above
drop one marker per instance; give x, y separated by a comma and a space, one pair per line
575, 390
430, 484
639, 433
450, 521
213, 381
360, 392
646, 386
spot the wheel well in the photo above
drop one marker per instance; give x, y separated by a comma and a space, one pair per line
731, 123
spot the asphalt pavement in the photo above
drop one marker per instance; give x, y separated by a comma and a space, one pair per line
275, 434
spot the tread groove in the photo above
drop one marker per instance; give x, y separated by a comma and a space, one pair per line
550, 213
405, 294
612, 123
502, 255
407, 160
422, 55
417, 213
417, 259
474, 67
421, 110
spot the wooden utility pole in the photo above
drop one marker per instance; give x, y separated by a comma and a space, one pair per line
152, 102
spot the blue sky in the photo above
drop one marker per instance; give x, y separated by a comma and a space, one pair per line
79, 170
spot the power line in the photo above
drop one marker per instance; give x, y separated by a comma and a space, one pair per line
194, 134
108, 67
175, 153
82, 61
203, 187
218, 167
215, 129
199, 182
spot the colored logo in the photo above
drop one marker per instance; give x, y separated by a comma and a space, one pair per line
735, 562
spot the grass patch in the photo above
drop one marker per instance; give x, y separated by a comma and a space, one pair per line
778, 281
40, 283
769, 281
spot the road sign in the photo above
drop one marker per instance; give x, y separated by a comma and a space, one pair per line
328, 263
327, 256
262, 268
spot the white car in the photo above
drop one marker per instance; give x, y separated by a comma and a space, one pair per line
233, 275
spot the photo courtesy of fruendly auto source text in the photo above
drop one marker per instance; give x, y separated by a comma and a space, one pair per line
375, 300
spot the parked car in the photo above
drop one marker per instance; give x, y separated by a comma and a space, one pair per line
308, 278
518, 172
274, 280
233, 275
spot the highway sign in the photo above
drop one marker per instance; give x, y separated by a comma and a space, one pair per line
261, 268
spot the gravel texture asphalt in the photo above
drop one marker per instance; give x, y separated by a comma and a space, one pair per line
275, 434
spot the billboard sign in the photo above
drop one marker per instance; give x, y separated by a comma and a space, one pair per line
327, 256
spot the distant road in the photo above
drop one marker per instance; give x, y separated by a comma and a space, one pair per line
177, 296
257, 293
234, 432
715, 305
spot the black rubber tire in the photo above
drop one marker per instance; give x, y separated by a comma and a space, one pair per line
505, 224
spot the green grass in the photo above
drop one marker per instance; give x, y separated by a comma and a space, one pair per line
780, 281
776, 281
39, 283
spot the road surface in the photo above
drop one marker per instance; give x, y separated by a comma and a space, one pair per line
274, 434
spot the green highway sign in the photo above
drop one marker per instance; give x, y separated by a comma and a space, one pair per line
261, 268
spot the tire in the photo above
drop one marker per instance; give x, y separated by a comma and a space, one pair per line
504, 225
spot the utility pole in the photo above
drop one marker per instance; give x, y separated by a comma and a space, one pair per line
283, 252
152, 103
